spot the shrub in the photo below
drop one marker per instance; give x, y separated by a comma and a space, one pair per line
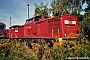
42, 50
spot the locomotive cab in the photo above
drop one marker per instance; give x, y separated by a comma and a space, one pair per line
70, 26
2, 29
34, 19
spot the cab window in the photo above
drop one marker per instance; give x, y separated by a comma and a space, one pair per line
28, 21
36, 18
1, 26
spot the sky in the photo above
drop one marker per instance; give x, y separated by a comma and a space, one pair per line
17, 10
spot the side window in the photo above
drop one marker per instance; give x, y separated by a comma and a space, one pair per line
36, 19
2, 27
28, 21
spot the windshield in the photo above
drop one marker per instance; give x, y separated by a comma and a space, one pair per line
1, 26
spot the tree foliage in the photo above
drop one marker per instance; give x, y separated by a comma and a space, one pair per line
85, 25
59, 7
88, 5
41, 9
63, 6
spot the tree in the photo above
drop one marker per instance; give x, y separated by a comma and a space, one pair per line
60, 7
41, 9
85, 25
88, 5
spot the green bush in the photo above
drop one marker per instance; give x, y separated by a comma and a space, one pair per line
42, 50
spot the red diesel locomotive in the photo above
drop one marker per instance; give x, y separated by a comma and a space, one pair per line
43, 27
2, 29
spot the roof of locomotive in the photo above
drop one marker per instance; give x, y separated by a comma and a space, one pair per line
35, 17
2, 23
49, 18
14, 26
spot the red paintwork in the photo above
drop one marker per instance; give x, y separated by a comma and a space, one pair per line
60, 26
2, 29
